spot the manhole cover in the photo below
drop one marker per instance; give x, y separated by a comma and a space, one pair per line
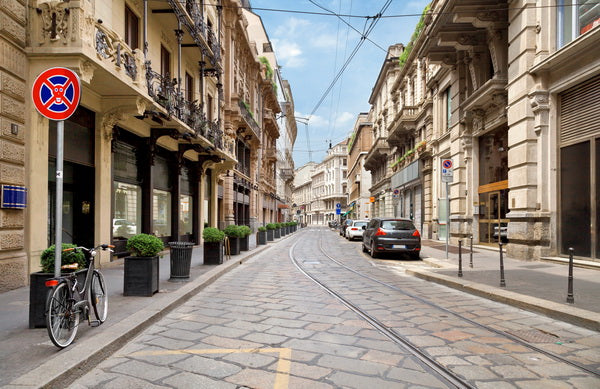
534, 336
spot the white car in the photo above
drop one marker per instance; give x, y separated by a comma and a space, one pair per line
355, 230
122, 227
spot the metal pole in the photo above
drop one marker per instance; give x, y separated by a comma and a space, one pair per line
502, 281
471, 253
60, 129
460, 272
570, 298
447, 218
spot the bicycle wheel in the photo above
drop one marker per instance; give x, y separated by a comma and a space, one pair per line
61, 321
99, 296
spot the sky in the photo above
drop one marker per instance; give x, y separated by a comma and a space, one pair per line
311, 49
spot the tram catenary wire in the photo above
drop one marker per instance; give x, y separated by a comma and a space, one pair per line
455, 314
437, 369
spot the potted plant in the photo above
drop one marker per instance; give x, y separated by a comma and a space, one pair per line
283, 229
38, 291
277, 231
261, 236
213, 245
141, 267
270, 231
245, 238
234, 234
294, 226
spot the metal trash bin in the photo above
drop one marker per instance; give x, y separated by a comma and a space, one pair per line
181, 259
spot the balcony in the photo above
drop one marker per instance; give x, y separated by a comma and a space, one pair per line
404, 123
249, 119
377, 155
270, 154
287, 174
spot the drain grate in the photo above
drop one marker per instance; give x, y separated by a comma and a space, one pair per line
534, 336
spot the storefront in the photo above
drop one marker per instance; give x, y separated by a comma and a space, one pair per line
579, 132
492, 206
407, 194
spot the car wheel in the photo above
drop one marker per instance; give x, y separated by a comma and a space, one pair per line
374, 253
364, 248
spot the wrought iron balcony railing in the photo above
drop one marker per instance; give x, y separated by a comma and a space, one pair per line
250, 119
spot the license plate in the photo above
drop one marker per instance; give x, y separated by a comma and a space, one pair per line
398, 246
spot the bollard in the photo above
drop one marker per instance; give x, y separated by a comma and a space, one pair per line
460, 273
471, 253
570, 298
502, 282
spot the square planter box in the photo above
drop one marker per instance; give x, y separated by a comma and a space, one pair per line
245, 243
213, 253
234, 246
38, 294
261, 238
270, 234
277, 233
141, 276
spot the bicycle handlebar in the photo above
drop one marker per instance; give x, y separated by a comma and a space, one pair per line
104, 247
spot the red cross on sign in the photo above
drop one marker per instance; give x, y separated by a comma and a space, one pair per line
56, 93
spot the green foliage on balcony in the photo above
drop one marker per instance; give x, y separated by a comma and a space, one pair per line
247, 106
418, 147
418, 28
265, 62
351, 142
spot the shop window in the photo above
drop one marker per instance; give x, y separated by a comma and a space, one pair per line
185, 214
161, 213
575, 18
127, 206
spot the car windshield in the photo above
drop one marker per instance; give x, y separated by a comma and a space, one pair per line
397, 225
360, 224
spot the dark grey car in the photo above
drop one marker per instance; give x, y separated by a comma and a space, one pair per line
391, 235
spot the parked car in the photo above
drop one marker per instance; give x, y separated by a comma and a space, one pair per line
333, 224
391, 235
355, 230
343, 225
123, 227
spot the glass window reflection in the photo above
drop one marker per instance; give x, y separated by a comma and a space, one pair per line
161, 213
127, 207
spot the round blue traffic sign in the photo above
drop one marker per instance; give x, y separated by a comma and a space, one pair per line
447, 164
56, 93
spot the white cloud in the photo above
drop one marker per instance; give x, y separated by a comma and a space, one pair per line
289, 54
344, 117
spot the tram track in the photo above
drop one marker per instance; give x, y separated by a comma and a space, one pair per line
444, 373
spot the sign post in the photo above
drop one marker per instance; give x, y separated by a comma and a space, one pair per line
55, 94
447, 176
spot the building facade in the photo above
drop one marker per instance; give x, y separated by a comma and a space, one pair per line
302, 196
359, 178
379, 159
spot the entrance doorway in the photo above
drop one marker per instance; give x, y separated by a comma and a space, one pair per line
493, 224
78, 204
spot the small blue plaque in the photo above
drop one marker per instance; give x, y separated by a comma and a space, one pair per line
14, 197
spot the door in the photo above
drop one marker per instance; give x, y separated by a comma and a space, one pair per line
493, 225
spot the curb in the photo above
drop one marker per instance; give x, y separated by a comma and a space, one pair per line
576, 316
77, 360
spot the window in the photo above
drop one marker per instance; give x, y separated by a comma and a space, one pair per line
448, 107
132, 28
165, 61
575, 18
209, 108
161, 213
189, 87
185, 214
127, 205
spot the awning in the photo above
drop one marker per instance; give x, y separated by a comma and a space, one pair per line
347, 212
283, 206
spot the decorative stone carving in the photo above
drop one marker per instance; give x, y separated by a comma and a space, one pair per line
86, 71
55, 21
540, 106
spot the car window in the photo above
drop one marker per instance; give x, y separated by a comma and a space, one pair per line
397, 225
360, 224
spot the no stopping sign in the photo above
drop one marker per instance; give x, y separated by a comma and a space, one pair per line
56, 93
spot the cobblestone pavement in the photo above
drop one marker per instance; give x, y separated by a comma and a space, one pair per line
265, 325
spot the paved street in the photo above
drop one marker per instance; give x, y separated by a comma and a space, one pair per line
266, 325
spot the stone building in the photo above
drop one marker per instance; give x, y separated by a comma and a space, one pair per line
302, 196
359, 178
285, 147
158, 144
330, 184
515, 104
13, 91
379, 158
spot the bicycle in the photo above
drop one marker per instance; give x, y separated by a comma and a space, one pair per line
66, 302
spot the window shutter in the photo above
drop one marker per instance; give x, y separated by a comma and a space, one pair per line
579, 112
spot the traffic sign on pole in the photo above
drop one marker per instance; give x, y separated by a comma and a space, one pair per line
447, 170
56, 93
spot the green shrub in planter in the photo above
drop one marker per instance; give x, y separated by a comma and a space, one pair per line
68, 258
271, 226
213, 235
246, 231
144, 245
233, 231
262, 229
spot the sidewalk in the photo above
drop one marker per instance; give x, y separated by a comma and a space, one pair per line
539, 286
28, 359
